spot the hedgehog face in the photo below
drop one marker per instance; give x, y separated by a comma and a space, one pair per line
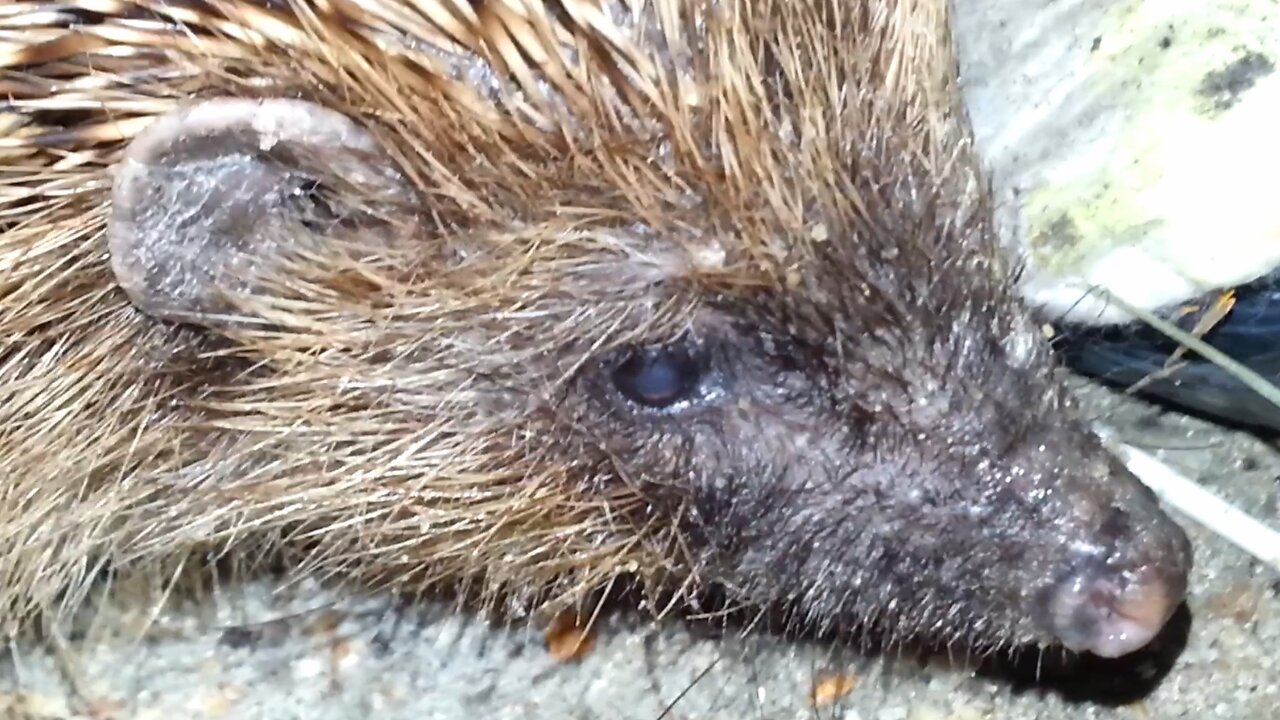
855, 483
860, 479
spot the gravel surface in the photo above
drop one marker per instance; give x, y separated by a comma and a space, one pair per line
306, 652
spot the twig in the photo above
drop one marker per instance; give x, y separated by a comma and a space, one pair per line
1238, 370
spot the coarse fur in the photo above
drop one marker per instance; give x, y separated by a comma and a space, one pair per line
412, 387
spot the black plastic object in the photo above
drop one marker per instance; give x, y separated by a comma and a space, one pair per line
1248, 333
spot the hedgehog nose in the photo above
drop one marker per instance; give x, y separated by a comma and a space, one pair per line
1112, 612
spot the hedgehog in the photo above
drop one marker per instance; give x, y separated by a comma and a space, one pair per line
527, 300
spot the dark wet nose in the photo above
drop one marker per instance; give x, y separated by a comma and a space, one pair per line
1112, 612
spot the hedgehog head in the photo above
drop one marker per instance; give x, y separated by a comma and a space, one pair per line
710, 297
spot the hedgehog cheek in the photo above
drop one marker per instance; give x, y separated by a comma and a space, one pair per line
212, 200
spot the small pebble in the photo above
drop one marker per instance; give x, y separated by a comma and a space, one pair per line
831, 688
569, 638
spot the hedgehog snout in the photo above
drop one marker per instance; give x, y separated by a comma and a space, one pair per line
1120, 591
1109, 609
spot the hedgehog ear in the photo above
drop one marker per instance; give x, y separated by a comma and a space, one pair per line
209, 199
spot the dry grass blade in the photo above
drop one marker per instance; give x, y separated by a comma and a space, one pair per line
1235, 369
1241, 529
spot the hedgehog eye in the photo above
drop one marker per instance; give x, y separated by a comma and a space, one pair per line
659, 377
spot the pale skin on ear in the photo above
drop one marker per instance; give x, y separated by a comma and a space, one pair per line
202, 199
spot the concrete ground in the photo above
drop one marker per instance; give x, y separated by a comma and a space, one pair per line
309, 653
